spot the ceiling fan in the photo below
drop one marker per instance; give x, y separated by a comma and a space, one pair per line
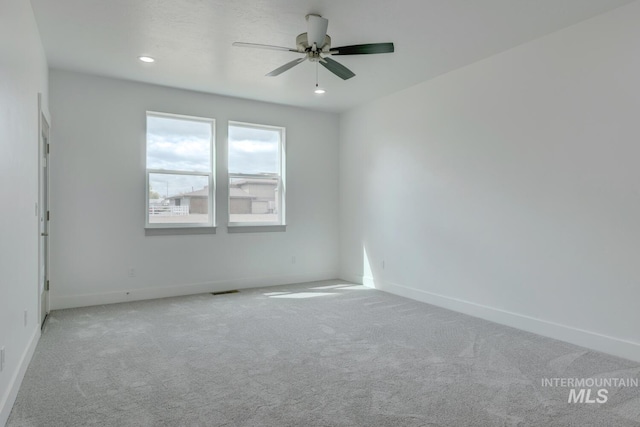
315, 45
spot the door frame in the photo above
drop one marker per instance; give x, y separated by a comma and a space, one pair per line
44, 201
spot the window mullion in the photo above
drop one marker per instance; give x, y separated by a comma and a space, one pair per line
178, 172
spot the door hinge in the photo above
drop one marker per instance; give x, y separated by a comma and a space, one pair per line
47, 287
48, 148
48, 215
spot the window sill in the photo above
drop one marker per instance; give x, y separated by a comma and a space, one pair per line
255, 228
178, 231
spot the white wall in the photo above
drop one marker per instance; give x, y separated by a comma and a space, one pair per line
23, 73
97, 225
509, 189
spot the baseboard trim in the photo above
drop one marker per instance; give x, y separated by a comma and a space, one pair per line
591, 340
59, 302
10, 395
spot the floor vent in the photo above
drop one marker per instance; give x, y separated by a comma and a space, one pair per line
235, 291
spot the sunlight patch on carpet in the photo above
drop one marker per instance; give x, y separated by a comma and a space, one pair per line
304, 295
331, 287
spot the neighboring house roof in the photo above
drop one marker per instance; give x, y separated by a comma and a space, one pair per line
203, 192
263, 181
238, 193
235, 190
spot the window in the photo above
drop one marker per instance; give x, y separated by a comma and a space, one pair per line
256, 175
179, 171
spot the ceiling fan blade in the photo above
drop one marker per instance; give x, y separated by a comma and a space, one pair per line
286, 66
316, 30
336, 68
263, 46
363, 49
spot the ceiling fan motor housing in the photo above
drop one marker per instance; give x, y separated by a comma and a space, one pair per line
302, 43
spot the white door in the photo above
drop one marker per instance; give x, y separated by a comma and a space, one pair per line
43, 285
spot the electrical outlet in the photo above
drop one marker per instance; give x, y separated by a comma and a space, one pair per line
1, 359
26, 318
132, 272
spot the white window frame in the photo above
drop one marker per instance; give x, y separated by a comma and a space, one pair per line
210, 174
281, 175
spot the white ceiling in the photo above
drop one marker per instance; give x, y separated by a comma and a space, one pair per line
191, 41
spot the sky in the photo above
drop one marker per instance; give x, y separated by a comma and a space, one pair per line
253, 150
185, 145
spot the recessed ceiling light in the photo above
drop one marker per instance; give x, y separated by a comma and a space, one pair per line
146, 59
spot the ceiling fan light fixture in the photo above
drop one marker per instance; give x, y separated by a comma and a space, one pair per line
146, 59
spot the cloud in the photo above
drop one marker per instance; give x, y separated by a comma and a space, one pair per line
243, 133
253, 146
253, 150
178, 144
176, 128
187, 155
